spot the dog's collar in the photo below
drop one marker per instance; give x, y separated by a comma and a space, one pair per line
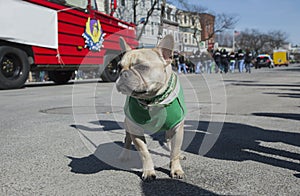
159, 98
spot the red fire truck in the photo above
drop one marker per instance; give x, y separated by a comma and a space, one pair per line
58, 36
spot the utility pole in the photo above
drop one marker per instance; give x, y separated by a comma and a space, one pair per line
162, 16
233, 42
149, 13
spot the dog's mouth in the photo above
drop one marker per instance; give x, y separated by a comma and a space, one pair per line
138, 93
128, 90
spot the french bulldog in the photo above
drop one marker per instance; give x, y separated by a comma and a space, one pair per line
154, 102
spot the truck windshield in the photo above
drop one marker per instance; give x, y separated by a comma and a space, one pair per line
81, 4
77, 3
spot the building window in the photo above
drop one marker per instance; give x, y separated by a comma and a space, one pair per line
165, 32
176, 36
169, 10
185, 38
123, 2
152, 28
193, 39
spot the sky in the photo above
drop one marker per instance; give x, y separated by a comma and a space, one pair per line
263, 15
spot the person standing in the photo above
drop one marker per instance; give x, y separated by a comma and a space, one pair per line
198, 67
206, 62
248, 60
181, 64
240, 60
224, 61
176, 58
217, 58
232, 60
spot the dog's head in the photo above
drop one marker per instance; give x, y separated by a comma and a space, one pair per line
145, 72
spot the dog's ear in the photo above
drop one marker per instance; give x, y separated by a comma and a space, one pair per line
124, 46
165, 47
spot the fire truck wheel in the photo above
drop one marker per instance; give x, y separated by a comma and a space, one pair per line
60, 77
14, 67
112, 69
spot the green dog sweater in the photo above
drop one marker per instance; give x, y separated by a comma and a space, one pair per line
160, 116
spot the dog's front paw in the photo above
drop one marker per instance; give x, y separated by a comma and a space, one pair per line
178, 174
176, 169
149, 175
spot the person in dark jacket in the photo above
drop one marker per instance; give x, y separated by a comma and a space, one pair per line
182, 64
217, 58
224, 61
232, 60
248, 60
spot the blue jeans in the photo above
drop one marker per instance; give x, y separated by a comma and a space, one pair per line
222, 67
198, 68
182, 65
208, 65
248, 67
241, 65
232, 66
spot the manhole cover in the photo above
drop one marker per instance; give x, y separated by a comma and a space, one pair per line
83, 110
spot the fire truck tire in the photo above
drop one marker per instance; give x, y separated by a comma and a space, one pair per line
112, 69
14, 67
60, 77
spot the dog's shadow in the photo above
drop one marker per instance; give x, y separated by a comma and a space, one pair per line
236, 142
162, 187
88, 165
91, 165
106, 154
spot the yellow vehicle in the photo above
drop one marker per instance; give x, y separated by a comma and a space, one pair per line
280, 57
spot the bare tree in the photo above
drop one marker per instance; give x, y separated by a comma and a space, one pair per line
134, 6
278, 39
259, 42
149, 13
130, 13
222, 22
190, 7
162, 16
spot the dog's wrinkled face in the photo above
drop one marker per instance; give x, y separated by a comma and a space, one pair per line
145, 71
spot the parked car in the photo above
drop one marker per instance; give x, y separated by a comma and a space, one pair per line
264, 60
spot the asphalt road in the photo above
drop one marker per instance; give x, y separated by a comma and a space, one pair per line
242, 137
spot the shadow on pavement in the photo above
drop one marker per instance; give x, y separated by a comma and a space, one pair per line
88, 165
286, 95
91, 165
289, 116
291, 69
165, 187
267, 85
236, 142
240, 142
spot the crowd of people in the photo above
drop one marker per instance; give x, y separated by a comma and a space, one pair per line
217, 61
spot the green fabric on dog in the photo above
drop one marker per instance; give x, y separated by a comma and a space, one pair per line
159, 117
